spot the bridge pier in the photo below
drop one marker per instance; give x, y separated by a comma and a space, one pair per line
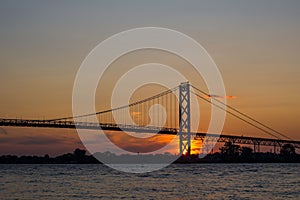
256, 147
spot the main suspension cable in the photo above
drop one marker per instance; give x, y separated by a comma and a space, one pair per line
243, 114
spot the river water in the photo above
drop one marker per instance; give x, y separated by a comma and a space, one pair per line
180, 181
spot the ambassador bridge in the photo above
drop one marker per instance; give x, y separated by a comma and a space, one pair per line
177, 121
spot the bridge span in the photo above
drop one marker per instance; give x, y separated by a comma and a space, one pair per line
135, 118
257, 142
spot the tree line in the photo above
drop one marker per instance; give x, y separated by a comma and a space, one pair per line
229, 153
232, 153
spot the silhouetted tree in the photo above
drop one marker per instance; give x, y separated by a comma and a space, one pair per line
230, 152
79, 153
287, 150
230, 149
246, 152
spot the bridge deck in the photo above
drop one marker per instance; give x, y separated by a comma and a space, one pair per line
148, 129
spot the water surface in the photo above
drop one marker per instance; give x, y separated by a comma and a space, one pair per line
180, 181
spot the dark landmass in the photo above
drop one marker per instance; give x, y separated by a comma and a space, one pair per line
230, 153
77, 157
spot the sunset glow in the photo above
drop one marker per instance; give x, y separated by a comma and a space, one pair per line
149, 99
259, 65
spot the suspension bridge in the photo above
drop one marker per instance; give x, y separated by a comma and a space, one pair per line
175, 119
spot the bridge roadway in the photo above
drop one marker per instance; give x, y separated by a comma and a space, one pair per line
256, 141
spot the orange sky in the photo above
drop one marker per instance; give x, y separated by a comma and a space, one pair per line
41, 141
255, 45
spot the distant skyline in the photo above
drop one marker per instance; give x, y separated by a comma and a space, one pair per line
255, 45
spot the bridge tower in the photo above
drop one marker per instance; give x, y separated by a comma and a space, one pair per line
184, 119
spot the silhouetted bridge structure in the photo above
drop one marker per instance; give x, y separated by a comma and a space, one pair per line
177, 120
